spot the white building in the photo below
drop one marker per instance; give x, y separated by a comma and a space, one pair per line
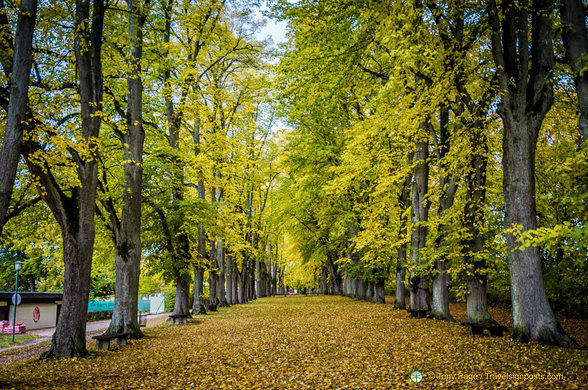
36, 310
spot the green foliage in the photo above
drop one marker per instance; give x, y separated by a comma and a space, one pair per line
102, 286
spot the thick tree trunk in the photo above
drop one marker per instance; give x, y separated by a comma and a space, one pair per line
347, 286
235, 284
323, 281
379, 292
182, 305
221, 294
258, 279
419, 299
229, 278
274, 274
527, 96
448, 185
369, 295
575, 37
198, 305
250, 280
242, 291
212, 301
404, 201
361, 288
75, 214
17, 105
440, 304
124, 315
477, 305
128, 241
69, 339
532, 315
400, 299
333, 270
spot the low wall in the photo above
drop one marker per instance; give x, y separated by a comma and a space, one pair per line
35, 316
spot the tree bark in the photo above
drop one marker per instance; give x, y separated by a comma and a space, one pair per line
419, 296
575, 37
476, 279
379, 292
369, 294
75, 214
128, 242
448, 185
18, 103
229, 278
182, 305
221, 294
212, 301
198, 305
400, 299
527, 96
333, 271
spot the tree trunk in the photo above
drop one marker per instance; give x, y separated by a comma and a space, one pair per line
258, 283
229, 278
400, 299
124, 315
532, 315
448, 185
182, 305
242, 292
75, 214
128, 241
17, 105
379, 292
323, 281
212, 301
275, 272
335, 275
419, 299
198, 305
250, 280
361, 287
69, 339
221, 294
404, 203
477, 305
369, 295
575, 37
527, 96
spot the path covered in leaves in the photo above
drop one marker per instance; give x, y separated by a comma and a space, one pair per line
309, 343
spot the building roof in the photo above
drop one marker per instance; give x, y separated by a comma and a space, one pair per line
32, 297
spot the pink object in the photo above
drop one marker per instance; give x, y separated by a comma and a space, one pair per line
18, 328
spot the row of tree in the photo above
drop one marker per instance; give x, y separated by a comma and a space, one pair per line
144, 126
432, 141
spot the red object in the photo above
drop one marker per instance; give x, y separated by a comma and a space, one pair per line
18, 328
36, 314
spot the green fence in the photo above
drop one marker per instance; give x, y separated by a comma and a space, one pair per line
142, 305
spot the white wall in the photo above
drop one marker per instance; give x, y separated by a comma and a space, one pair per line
24, 314
157, 304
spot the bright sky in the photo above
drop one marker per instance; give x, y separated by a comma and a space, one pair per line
273, 28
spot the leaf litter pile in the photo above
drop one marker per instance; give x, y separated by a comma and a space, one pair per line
310, 343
